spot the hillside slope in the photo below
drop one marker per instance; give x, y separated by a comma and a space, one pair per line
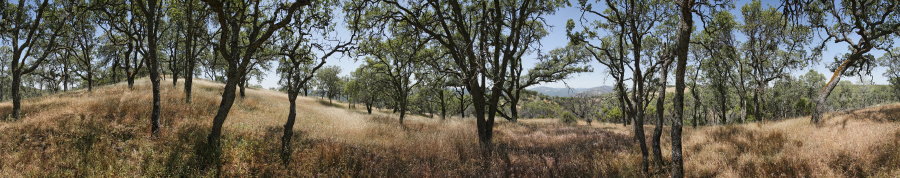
106, 133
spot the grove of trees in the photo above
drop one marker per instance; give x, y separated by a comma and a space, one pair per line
699, 61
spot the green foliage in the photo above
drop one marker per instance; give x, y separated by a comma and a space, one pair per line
540, 109
567, 117
895, 85
328, 82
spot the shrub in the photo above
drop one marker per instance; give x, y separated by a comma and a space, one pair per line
567, 117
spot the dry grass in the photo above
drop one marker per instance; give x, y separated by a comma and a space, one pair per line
105, 133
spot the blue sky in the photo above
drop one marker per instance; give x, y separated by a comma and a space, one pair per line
599, 77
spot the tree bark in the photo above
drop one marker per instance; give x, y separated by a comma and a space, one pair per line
443, 105
462, 104
757, 110
684, 38
65, 74
485, 133
723, 102
14, 93
821, 100
243, 86
90, 79
660, 114
228, 95
513, 111
402, 107
369, 106
638, 93
152, 19
190, 60
173, 65
286, 149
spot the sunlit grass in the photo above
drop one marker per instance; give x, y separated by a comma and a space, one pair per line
105, 133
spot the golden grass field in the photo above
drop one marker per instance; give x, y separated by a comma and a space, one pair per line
105, 133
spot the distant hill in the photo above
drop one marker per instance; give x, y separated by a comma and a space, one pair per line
569, 92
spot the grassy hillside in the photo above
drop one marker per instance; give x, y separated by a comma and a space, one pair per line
106, 133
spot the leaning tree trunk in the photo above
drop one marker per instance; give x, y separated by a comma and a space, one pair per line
286, 149
821, 105
228, 96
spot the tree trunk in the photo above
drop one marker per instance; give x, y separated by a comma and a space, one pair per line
2, 89
66, 75
154, 80
90, 79
112, 71
485, 132
684, 38
462, 105
443, 106
821, 105
757, 113
228, 96
639, 102
153, 63
190, 60
513, 111
188, 83
243, 86
14, 93
723, 102
130, 81
402, 107
660, 114
174, 66
286, 148
369, 106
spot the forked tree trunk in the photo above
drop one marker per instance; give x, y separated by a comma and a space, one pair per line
513, 111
